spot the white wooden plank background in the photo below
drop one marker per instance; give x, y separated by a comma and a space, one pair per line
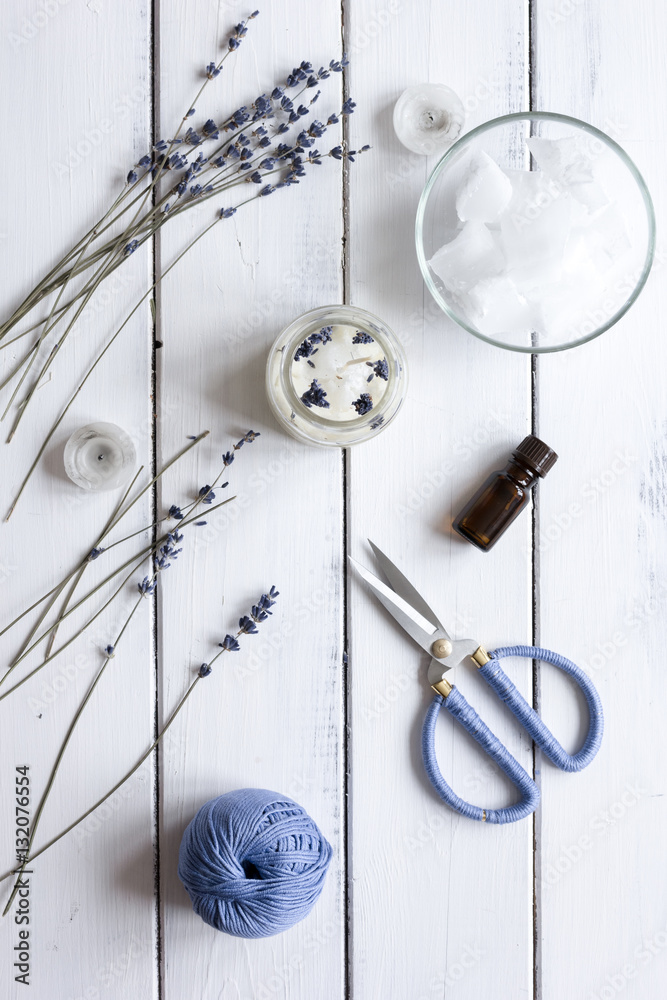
602, 583
419, 903
78, 79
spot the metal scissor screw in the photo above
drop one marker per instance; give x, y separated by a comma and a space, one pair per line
441, 649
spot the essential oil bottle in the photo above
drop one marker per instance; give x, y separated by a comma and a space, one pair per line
504, 494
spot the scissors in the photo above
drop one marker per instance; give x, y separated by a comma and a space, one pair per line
412, 612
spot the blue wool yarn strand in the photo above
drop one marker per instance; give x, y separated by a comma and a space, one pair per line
466, 716
253, 862
497, 679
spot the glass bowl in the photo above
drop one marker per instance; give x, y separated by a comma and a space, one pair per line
336, 376
546, 252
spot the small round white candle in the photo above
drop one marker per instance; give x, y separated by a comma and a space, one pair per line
99, 457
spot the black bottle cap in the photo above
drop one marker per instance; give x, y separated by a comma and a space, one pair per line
538, 455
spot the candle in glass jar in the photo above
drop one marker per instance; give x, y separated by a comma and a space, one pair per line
336, 376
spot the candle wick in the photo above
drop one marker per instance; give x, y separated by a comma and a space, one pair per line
354, 361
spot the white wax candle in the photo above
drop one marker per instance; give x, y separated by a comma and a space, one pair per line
99, 456
340, 372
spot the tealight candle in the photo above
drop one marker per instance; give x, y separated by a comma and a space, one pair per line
428, 118
336, 376
99, 457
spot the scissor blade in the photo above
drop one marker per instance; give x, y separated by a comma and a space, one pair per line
414, 623
404, 588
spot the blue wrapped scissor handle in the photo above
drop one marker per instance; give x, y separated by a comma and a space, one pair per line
466, 716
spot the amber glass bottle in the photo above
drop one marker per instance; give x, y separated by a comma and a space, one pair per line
504, 494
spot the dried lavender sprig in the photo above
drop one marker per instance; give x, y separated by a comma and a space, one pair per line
364, 404
48, 326
52, 656
124, 238
315, 396
293, 173
205, 496
299, 73
136, 560
113, 261
295, 170
112, 524
305, 139
159, 279
35, 295
17, 368
77, 578
109, 653
111, 265
102, 273
56, 765
229, 644
233, 43
94, 365
45, 289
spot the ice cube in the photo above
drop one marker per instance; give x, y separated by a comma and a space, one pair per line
497, 307
578, 257
485, 192
535, 228
571, 308
570, 162
473, 254
608, 238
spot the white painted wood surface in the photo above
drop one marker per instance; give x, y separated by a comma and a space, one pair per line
419, 903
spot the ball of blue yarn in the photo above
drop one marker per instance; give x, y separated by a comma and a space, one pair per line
253, 862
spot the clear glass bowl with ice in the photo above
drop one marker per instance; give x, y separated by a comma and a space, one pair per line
535, 232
